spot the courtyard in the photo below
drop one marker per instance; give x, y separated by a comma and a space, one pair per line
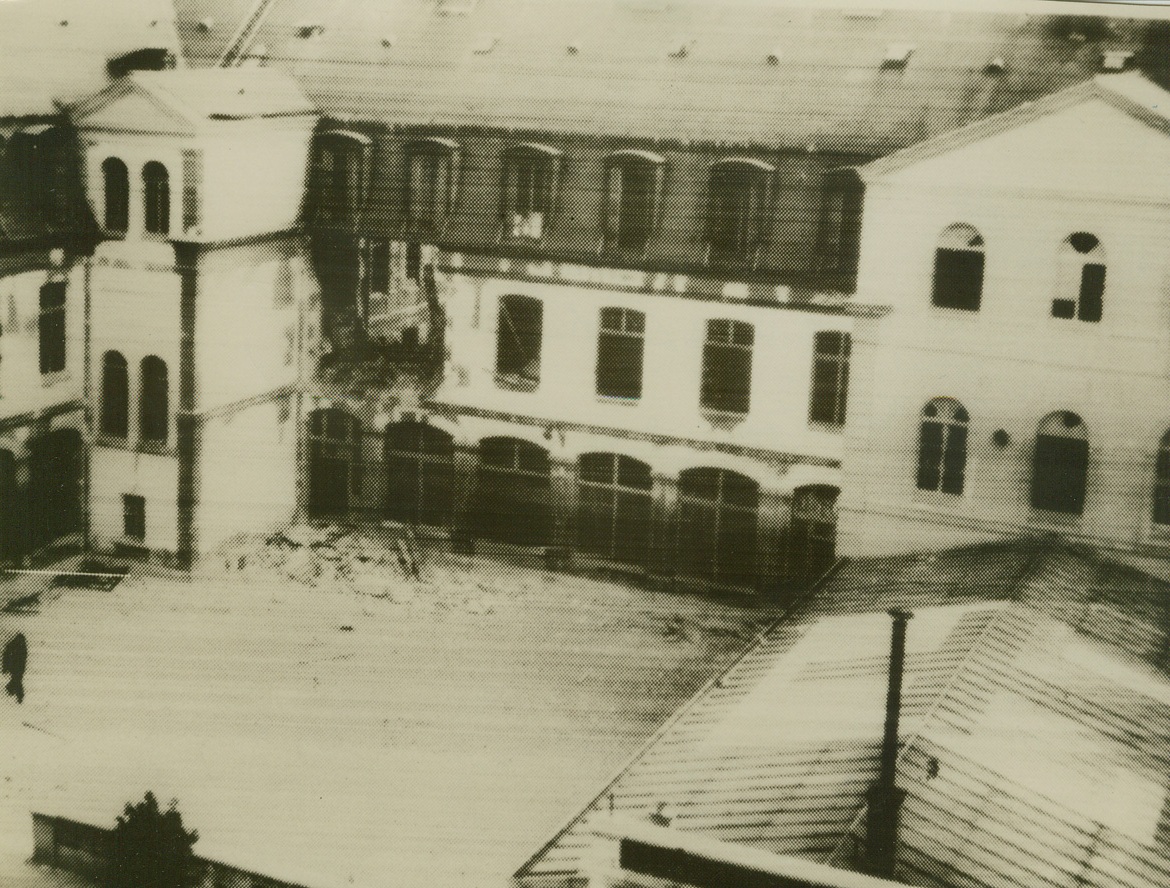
322, 716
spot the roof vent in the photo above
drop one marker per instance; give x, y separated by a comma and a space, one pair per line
1115, 59
680, 47
456, 7
995, 66
485, 43
773, 58
306, 30
897, 55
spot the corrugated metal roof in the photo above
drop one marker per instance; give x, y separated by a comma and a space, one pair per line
1035, 679
55, 51
782, 75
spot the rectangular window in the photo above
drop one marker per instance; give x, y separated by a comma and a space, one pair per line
51, 327
530, 180
134, 516
958, 278
340, 165
840, 233
632, 186
727, 366
518, 341
738, 196
830, 378
428, 186
192, 177
1092, 292
619, 353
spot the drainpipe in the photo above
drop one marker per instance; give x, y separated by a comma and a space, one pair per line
87, 401
884, 798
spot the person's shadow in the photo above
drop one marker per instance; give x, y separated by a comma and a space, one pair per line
14, 662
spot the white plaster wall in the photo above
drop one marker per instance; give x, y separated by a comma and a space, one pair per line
672, 360
1011, 363
247, 473
23, 388
114, 472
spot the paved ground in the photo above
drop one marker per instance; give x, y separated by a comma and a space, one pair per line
348, 729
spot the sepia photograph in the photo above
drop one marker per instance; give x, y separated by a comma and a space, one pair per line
584, 444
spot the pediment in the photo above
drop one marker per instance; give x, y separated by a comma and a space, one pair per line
129, 107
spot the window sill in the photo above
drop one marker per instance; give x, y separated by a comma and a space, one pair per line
55, 378
155, 448
937, 499
102, 440
514, 383
1047, 518
619, 401
830, 428
723, 419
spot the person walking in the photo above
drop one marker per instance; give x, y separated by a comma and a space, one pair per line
14, 662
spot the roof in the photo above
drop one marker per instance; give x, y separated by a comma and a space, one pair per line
55, 51
202, 94
743, 71
1131, 92
1035, 675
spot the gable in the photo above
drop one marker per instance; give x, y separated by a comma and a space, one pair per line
126, 107
1091, 148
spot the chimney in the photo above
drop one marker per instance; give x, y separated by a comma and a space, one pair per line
884, 798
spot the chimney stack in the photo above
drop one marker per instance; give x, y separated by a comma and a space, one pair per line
884, 798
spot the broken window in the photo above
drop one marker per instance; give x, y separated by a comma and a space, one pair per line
156, 195
430, 173
531, 174
727, 366
116, 195
738, 194
942, 446
619, 353
153, 402
115, 406
1080, 279
518, 340
51, 327
633, 183
1060, 464
830, 377
958, 269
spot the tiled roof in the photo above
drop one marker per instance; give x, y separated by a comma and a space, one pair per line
783, 74
55, 51
1035, 711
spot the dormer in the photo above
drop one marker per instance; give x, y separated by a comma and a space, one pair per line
196, 154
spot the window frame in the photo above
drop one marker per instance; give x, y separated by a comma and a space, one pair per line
618, 337
948, 289
615, 496
837, 359
626, 227
115, 196
751, 220
948, 467
52, 327
134, 517
442, 157
1080, 294
339, 202
153, 401
721, 399
114, 412
839, 231
1049, 487
542, 195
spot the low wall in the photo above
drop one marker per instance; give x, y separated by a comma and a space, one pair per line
84, 849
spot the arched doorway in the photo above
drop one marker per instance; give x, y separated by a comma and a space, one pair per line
420, 473
513, 492
334, 461
54, 486
718, 512
614, 507
814, 530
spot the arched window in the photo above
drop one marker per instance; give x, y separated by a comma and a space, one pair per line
156, 196
116, 194
341, 164
633, 186
153, 400
420, 473
513, 497
1162, 482
958, 269
738, 194
1080, 278
942, 446
615, 504
1060, 464
814, 530
115, 407
717, 524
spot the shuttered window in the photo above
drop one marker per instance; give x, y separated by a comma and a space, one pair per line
154, 400
116, 195
156, 195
